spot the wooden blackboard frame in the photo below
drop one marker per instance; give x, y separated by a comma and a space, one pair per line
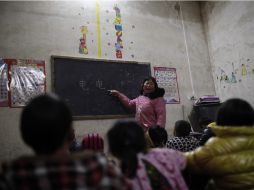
93, 117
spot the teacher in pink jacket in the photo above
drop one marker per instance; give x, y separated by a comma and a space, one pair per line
149, 105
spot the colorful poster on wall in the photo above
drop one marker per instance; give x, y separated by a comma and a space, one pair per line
119, 32
167, 79
3, 84
26, 79
83, 42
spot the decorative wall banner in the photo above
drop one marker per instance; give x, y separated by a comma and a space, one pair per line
167, 79
26, 79
82, 46
119, 33
3, 84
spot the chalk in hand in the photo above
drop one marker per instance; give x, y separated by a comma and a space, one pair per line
109, 92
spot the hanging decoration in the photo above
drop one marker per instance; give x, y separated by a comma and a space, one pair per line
119, 33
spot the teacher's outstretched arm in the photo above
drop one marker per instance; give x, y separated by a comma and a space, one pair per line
123, 99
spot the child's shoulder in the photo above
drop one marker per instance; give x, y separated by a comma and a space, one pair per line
161, 151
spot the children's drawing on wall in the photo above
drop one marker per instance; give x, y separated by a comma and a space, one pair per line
119, 32
83, 43
167, 79
233, 77
3, 84
223, 76
243, 69
231, 74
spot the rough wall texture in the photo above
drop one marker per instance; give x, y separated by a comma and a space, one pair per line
154, 32
229, 29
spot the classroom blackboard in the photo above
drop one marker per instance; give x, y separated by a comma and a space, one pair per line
84, 83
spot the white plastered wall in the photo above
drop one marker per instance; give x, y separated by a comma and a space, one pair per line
157, 32
229, 29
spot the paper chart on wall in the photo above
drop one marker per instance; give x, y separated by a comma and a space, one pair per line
3, 84
27, 79
167, 79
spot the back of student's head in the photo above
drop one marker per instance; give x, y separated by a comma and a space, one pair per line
235, 112
158, 135
126, 139
182, 128
46, 122
126, 136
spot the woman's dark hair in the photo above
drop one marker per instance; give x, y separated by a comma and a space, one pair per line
235, 112
46, 122
182, 128
126, 139
158, 135
158, 92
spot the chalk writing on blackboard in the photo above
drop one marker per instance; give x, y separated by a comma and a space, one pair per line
99, 84
84, 85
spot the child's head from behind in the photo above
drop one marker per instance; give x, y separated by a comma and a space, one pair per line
158, 135
182, 128
124, 137
235, 112
46, 124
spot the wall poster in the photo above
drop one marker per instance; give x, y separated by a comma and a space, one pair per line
3, 84
22, 80
167, 79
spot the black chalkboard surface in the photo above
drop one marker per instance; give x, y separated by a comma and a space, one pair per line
84, 83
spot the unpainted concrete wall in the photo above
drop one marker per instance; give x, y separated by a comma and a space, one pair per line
163, 33
229, 29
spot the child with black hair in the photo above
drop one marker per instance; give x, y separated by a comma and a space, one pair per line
228, 158
150, 106
156, 137
156, 168
182, 140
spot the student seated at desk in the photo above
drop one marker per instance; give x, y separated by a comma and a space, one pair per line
156, 137
46, 126
182, 141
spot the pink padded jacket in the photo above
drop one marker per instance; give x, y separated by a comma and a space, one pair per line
149, 112
168, 162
